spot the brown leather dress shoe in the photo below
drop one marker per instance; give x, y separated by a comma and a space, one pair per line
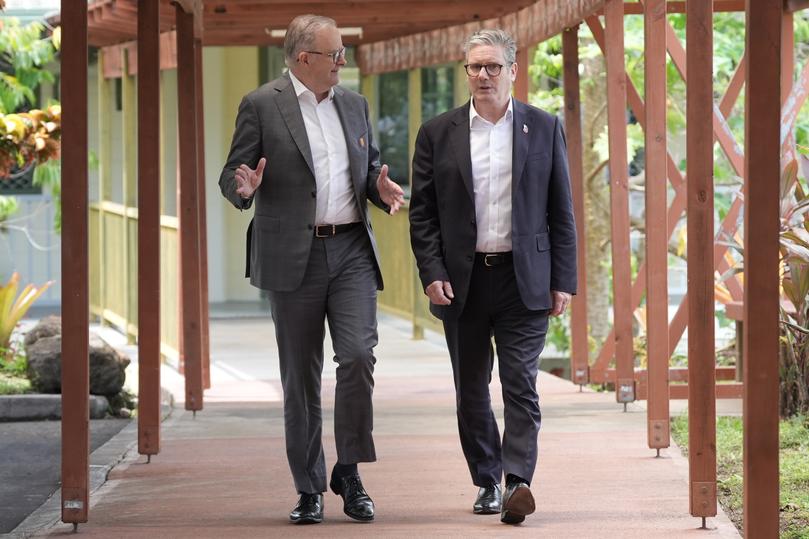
489, 500
517, 503
309, 509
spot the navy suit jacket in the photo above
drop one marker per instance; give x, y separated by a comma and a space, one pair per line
443, 231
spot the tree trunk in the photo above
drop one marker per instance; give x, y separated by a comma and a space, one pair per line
596, 200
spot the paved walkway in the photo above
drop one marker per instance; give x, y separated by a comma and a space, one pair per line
224, 474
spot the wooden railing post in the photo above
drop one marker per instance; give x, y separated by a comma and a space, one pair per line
75, 286
657, 299
619, 201
579, 354
761, 282
700, 252
148, 228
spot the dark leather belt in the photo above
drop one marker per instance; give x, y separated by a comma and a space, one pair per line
327, 231
493, 259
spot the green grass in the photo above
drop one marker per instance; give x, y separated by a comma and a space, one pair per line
13, 385
794, 465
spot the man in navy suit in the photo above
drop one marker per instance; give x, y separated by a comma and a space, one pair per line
492, 229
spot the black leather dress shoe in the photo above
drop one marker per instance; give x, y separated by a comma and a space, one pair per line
356, 502
517, 502
309, 509
488, 501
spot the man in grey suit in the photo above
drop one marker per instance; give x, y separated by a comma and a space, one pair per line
304, 157
491, 226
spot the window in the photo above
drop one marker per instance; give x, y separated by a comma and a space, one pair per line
392, 126
437, 91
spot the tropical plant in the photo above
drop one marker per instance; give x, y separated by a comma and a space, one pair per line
28, 137
13, 307
795, 287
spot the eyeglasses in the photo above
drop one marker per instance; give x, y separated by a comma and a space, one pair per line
473, 70
334, 55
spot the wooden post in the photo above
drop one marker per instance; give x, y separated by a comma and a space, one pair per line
75, 265
657, 237
761, 286
188, 204
619, 200
521, 84
203, 221
148, 228
700, 252
579, 360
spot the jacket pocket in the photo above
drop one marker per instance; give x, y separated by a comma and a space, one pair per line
543, 242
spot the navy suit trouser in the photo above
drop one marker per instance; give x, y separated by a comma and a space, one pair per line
493, 308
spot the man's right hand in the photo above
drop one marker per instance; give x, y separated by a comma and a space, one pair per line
440, 292
248, 180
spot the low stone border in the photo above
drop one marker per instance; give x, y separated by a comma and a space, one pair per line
38, 406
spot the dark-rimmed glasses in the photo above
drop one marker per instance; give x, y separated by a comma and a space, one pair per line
334, 55
473, 70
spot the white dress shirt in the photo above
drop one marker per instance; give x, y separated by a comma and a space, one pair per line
491, 148
335, 193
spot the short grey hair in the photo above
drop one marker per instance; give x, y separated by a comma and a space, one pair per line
301, 32
493, 37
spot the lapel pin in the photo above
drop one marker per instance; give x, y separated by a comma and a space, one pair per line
525, 129
362, 142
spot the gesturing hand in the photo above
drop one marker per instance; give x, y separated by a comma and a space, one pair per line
439, 292
248, 180
389, 191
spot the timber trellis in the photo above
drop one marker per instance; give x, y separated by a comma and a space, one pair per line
162, 34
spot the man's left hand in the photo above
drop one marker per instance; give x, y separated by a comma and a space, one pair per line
560, 302
389, 191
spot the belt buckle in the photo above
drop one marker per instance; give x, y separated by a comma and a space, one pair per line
319, 235
486, 260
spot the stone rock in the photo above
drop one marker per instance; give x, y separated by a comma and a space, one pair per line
125, 413
107, 366
45, 364
47, 327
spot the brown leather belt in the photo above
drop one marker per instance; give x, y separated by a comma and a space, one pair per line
327, 231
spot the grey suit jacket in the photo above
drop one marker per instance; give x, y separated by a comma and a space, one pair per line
270, 124
443, 230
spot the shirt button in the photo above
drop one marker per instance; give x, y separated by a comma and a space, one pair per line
474, 223
314, 194
469, 257
310, 227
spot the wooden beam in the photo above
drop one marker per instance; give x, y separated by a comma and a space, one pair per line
700, 250
148, 60
75, 266
636, 8
188, 204
761, 282
579, 360
657, 237
793, 6
619, 199
203, 221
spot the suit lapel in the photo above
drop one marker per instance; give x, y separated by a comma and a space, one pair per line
522, 135
291, 113
354, 127
460, 144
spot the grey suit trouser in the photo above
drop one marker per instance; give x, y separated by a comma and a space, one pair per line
340, 286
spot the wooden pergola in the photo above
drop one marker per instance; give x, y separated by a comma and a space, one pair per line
393, 35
